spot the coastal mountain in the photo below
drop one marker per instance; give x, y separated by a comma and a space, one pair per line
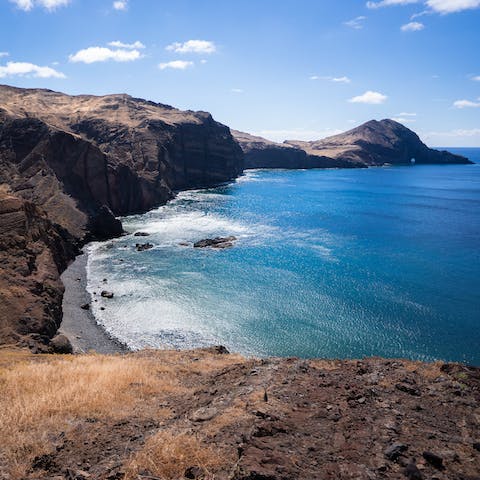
71, 155
374, 143
262, 153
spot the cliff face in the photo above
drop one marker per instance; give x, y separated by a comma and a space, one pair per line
262, 153
378, 143
33, 252
74, 154
72, 164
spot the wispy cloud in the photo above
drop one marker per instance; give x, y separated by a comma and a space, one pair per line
412, 27
26, 69
389, 3
404, 119
176, 65
4, 54
370, 97
476, 78
50, 5
193, 46
120, 5
355, 23
343, 79
467, 104
237, 90
406, 114
104, 54
130, 46
438, 6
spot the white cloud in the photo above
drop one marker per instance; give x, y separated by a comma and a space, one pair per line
296, 134
404, 120
4, 54
475, 79
193, 46
406, 114
389, 3
120, 5
452, 6
50, 5
356, 23
103, 54
131, 46
369, 97
176, 65
412, 27
26, 69
438, 6
343, 79
466, 104
237, 90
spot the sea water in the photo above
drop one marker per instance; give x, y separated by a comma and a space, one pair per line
327, 263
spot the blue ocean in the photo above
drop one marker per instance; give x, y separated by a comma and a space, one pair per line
328, 263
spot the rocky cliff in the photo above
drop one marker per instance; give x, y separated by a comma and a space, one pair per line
82, 160
33, 252
74, 154
262, 153
384, 142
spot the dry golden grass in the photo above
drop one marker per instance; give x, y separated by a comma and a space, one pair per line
167, 455
44, 395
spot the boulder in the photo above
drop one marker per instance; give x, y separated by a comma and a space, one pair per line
61, 344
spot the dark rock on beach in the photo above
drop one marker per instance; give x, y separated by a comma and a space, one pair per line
106, 294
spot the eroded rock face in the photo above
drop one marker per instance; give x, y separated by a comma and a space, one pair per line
378, 143
72, 155
33, 252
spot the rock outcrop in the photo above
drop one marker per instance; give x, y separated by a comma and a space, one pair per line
33, 252
376, 143
74, 163
262, 153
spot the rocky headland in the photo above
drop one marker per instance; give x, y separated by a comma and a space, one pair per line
375, 143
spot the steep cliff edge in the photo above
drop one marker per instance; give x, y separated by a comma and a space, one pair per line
74, 163
376, 143
73, 154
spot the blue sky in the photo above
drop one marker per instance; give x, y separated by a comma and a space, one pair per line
281, 69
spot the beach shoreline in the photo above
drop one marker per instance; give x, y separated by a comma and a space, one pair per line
79, 325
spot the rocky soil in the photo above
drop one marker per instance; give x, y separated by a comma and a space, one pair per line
279, 419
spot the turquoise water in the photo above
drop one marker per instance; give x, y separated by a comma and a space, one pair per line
328, 263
